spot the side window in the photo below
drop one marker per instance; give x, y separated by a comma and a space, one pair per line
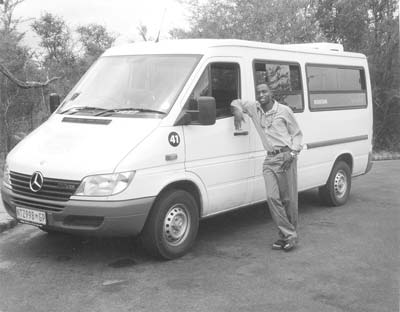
221, 81
336, 87
225, 82
284, 80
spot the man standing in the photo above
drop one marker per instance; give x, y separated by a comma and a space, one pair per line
281, 138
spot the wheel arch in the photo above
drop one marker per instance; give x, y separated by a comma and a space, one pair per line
344, 156
188, 186
347, 158
327, 192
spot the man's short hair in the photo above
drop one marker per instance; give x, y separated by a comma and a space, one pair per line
266, 84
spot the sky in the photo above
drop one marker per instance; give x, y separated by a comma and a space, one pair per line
119, 16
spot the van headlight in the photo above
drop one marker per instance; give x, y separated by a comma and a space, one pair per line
105, 184
7, 176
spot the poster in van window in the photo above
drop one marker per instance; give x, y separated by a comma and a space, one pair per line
284, 80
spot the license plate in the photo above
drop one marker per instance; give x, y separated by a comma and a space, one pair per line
31, 216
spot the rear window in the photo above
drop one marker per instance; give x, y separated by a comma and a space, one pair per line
336, 87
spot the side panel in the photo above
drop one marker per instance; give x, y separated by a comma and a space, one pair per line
157, 160
221, 160
325, 136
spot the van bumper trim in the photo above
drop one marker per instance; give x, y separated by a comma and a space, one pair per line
98, 218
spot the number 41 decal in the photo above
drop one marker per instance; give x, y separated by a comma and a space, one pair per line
174, 139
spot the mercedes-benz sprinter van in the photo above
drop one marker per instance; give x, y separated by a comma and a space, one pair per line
145, 143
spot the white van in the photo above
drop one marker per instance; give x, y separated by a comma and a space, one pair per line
145, 143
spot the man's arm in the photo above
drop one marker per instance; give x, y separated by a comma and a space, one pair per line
250, 108
297, 137
295, 132
239, 108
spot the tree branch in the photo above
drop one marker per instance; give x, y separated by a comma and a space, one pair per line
27, 84
142, 29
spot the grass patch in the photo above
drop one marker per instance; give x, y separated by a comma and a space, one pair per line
385, 155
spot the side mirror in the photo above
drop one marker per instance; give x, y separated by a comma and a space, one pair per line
54, 100
207, 110
205, 115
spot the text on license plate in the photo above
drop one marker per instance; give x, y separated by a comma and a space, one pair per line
34, 216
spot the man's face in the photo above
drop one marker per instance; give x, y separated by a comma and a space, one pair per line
263, 94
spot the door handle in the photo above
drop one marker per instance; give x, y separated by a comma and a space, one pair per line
170, 157
240, 132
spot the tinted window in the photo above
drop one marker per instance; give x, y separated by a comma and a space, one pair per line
283, 79
221, 81
335, 79
333, 87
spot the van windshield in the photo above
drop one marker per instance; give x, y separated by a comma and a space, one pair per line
130, 85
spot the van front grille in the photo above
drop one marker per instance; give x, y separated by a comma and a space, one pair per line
52, 189
36, 204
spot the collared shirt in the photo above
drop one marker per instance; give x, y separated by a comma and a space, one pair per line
277, 127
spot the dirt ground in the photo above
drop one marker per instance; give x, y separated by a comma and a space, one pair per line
347, 260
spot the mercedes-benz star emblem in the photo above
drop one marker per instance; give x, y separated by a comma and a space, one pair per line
36, 182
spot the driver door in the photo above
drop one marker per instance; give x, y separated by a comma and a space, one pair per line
220, 158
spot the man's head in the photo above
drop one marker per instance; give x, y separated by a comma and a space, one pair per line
264, 94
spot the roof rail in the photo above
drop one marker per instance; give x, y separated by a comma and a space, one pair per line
325, 46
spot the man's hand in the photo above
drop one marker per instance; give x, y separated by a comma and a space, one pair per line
238, 118
288, 158
237, 112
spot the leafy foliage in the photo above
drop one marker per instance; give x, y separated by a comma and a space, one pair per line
17, 59
371, 27
277, 21
95, 39
23, 110
55, 37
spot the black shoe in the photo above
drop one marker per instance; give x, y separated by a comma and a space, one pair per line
279, 244
289, 245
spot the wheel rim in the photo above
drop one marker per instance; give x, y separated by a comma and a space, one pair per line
176, 224
340, 184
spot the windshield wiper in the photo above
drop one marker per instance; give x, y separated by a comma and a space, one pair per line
79, 108
143, 110
74, 96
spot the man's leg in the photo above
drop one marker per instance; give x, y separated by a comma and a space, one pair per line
292, 204
276, 184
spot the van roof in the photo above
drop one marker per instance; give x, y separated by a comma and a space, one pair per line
202, 46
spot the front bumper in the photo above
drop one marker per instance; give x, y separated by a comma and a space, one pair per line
99, 218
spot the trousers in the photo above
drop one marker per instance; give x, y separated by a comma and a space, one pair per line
282, 197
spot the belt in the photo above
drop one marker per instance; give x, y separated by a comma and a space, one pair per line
278, 151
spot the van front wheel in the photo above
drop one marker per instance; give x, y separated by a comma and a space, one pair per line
336, 191
172, 225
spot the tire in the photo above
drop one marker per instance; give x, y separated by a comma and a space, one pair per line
49, 231
171, 226
337, 190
